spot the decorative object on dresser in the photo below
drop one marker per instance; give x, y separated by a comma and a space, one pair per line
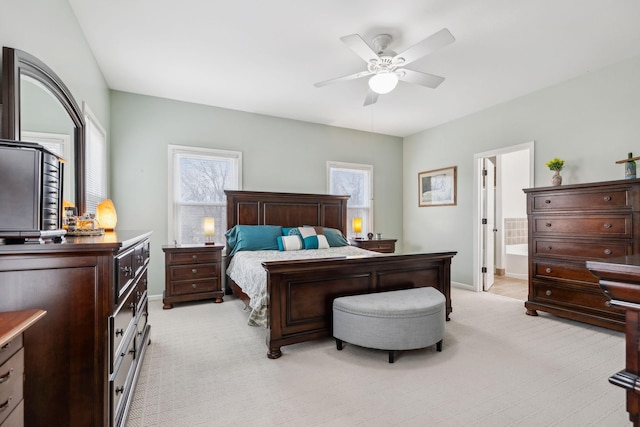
386, 246
192, 273
629, 166
556, 166
569, 225
620, 280
106, 215
438, 187
209, 229
84, 358
12, 326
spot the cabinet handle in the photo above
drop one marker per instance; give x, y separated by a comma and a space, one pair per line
547, 201
549, 248
194, 270
194, 286
607, 303
607, 198
548, 224
119, 389
194, 256
607, 225
548, 270
132, 306
4, 378
5, 405
548, 293
607, 251
119, 332
6, 346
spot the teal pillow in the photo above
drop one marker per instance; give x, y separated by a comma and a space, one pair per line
317, 241
335, 237
253, 238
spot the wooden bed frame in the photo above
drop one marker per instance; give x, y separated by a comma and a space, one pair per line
301, 292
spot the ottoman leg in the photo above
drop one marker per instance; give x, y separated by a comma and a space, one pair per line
338, 344
392, 356
439, 345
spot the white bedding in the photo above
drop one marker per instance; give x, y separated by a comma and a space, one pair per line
246, 270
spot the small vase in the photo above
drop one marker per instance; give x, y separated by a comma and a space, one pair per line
556, 179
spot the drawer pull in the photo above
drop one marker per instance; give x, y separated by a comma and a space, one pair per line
547, 201
126, 270
6, 346
548, 224
607, 225
549, 248
132, 306
194, 256
6, 377
194, 270
548, 270
194, 286
548, 293
119, 332
607, 198
607, 303
607, 251
5, 405
120, 389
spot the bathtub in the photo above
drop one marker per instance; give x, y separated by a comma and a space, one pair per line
517, 261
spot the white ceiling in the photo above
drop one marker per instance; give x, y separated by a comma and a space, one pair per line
265, 56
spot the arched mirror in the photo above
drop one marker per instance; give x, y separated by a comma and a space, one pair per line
37, 106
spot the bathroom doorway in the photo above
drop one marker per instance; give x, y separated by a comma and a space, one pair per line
501, 248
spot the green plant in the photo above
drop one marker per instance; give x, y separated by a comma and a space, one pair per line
555, 164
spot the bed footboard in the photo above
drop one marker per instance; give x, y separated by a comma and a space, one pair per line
301, 293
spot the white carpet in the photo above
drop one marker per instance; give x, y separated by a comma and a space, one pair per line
498, 367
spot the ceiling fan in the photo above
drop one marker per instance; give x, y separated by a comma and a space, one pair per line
387, 67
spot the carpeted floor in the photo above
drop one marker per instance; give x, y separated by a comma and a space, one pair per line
498, 367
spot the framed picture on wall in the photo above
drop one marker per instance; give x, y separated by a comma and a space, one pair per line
437, 187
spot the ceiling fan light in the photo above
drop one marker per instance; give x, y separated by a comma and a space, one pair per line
383, 83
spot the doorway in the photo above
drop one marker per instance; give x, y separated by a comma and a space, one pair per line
500, 221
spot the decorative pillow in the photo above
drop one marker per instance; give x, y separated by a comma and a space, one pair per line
253, 237
313, 238
335, 237
290, 231
289, 243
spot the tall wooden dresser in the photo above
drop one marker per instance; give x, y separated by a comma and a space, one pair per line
568, 225
84, 357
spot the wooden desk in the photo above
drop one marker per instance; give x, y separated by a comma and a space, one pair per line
620, 280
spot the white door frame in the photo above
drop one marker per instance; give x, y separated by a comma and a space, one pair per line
477, 217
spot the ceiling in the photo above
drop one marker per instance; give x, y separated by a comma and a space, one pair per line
265, 56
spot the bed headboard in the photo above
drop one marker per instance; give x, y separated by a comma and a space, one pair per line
286, 209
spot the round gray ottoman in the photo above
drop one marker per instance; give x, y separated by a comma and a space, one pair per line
395, 320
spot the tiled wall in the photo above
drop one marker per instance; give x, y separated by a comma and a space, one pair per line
515, 231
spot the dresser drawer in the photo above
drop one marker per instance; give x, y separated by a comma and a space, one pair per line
121, 324
194, 286
586, 225
558, 294
121, 382
15, 418
581, 200
194, 271
581, 249
11, 384
10, 348
199, 257
567, 271
125, 272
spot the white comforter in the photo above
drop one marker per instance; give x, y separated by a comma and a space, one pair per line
246, 270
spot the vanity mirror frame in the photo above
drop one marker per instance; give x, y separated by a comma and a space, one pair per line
17, 63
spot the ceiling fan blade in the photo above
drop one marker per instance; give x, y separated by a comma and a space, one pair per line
422, 79
343, 78
371, 98
432, 43
360, 47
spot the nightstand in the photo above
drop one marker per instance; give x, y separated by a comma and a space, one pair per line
386, 246
192, 272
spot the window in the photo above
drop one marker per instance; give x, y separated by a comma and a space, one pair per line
96, 161
355, 180
197, 180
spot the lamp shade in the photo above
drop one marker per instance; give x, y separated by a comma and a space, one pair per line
106, 215
356, 224
383, 82
209, 228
